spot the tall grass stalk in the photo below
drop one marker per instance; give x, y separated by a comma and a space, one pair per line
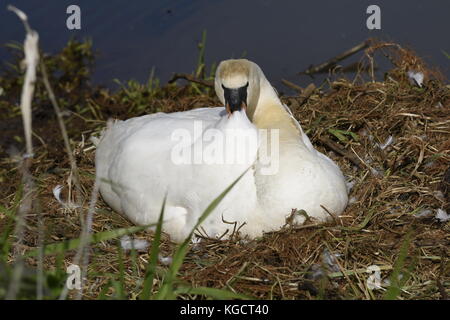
200, 72
82, 255
31, 60
40, 260
73, 165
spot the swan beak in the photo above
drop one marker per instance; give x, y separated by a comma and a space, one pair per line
233, 108
235, 99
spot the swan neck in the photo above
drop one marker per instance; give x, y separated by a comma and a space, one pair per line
270, 113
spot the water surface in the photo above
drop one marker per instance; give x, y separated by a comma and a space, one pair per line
283, 37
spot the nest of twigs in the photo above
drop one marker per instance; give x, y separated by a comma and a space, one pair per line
391, 140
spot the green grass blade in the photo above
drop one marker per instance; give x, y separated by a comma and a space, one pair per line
201, 57
135, 265
341, 134
219, 294
5, 242
166, 291
120, 287
363, 224
395, 288
4, 239
103, 293
151, 267
446, 54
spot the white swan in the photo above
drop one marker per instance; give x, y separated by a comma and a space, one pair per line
142, 159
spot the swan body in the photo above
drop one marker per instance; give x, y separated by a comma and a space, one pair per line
141, 160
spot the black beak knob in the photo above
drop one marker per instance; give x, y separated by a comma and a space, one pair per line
235, 98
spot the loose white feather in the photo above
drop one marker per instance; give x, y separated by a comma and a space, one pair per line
128, 243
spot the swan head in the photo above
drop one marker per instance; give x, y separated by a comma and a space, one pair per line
237, 85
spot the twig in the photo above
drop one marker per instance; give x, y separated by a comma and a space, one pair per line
191, 78
292, 85
297, 228
324, 67
309, 90
356, 67
331, 214
337, 148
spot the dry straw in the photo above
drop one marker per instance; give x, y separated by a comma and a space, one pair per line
391, 139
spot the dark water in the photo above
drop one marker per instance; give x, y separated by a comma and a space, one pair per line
283, 37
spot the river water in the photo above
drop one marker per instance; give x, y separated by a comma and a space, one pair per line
283, 37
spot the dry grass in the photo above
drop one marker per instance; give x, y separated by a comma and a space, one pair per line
392, 189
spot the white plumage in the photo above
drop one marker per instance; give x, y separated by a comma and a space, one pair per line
142, 159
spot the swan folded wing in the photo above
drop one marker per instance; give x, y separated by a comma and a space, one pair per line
304, 138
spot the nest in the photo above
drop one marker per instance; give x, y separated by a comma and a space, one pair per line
391, 140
